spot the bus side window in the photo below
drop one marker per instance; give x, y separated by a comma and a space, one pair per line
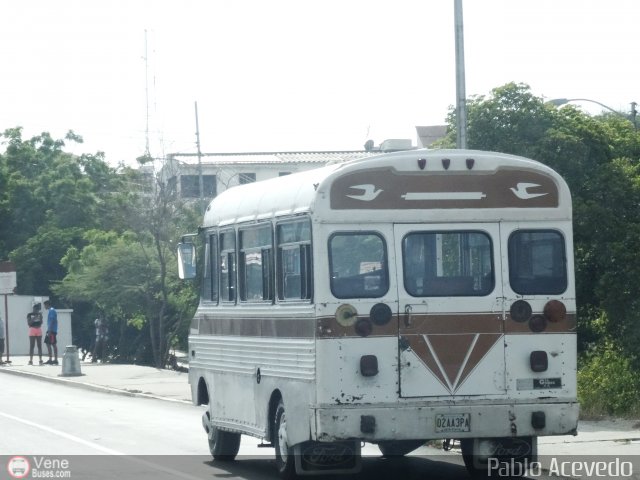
255, 264
294, 260
228, 266
210, 281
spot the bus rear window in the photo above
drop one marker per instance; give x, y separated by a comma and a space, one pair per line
537, 262
358, 265
447, 264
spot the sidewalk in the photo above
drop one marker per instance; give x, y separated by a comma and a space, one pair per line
608, 437
133, 380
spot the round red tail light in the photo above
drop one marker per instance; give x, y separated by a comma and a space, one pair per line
364, 327
555, 311
537, 323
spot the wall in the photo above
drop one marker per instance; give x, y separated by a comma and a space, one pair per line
18, 306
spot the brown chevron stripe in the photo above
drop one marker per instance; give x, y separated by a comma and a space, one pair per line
419, 346
451, 350
484, 343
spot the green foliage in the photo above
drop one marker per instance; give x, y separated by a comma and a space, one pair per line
607, 383
599, 157
97, 239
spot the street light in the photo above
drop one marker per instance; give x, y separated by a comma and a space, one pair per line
632, 115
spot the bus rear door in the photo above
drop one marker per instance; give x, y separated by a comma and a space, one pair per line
451, 309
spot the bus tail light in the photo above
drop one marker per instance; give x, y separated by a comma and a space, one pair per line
538, 323
539, 361
367, 423
364, 327
538, 420
346, 315
520, 311
368, 365
380, 314
555, 311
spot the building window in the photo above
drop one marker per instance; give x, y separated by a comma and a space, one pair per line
190, 186
284, 174
247, 178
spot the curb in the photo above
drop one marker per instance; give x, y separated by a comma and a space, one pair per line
91, 386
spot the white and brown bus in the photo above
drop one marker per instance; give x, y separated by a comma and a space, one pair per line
417, 295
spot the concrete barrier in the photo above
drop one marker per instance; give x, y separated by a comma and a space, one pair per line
71, 362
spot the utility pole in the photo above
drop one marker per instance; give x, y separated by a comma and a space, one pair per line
147, 153
461, 96
200, 182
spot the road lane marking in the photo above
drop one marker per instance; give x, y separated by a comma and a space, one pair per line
100, 448
60, 433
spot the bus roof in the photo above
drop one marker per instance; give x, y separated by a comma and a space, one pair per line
408, 186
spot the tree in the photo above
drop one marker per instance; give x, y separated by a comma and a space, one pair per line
102, 239
599, 159
49, 197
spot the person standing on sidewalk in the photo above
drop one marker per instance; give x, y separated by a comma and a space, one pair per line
34, 320
52, 333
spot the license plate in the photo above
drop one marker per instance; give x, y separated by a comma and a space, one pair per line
449, 423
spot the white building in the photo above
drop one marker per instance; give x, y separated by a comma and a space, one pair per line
224, 170
17, 335
181, 171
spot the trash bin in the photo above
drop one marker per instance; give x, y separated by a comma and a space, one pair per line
71, 362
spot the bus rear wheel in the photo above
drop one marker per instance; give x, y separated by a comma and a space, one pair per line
399, 448
521, 451
285, 460
224, 446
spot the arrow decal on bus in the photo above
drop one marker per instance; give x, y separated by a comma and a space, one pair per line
444, 195
369, 192
522, 191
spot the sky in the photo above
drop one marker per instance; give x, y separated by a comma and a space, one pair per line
292, 75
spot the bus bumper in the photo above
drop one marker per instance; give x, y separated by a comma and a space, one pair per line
396, 422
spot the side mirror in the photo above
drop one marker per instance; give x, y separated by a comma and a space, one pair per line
186, 261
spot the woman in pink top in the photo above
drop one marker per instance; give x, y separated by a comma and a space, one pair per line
34, 320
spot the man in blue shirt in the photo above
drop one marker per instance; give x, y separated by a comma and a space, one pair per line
52, 333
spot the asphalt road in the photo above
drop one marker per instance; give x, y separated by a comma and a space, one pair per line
102, 435
66, 432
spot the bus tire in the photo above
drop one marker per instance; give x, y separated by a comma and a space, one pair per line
285, 460
399, 448
466, 447
223, 445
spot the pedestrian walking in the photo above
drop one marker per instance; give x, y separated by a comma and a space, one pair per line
34, 321
102, 335
52, 333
